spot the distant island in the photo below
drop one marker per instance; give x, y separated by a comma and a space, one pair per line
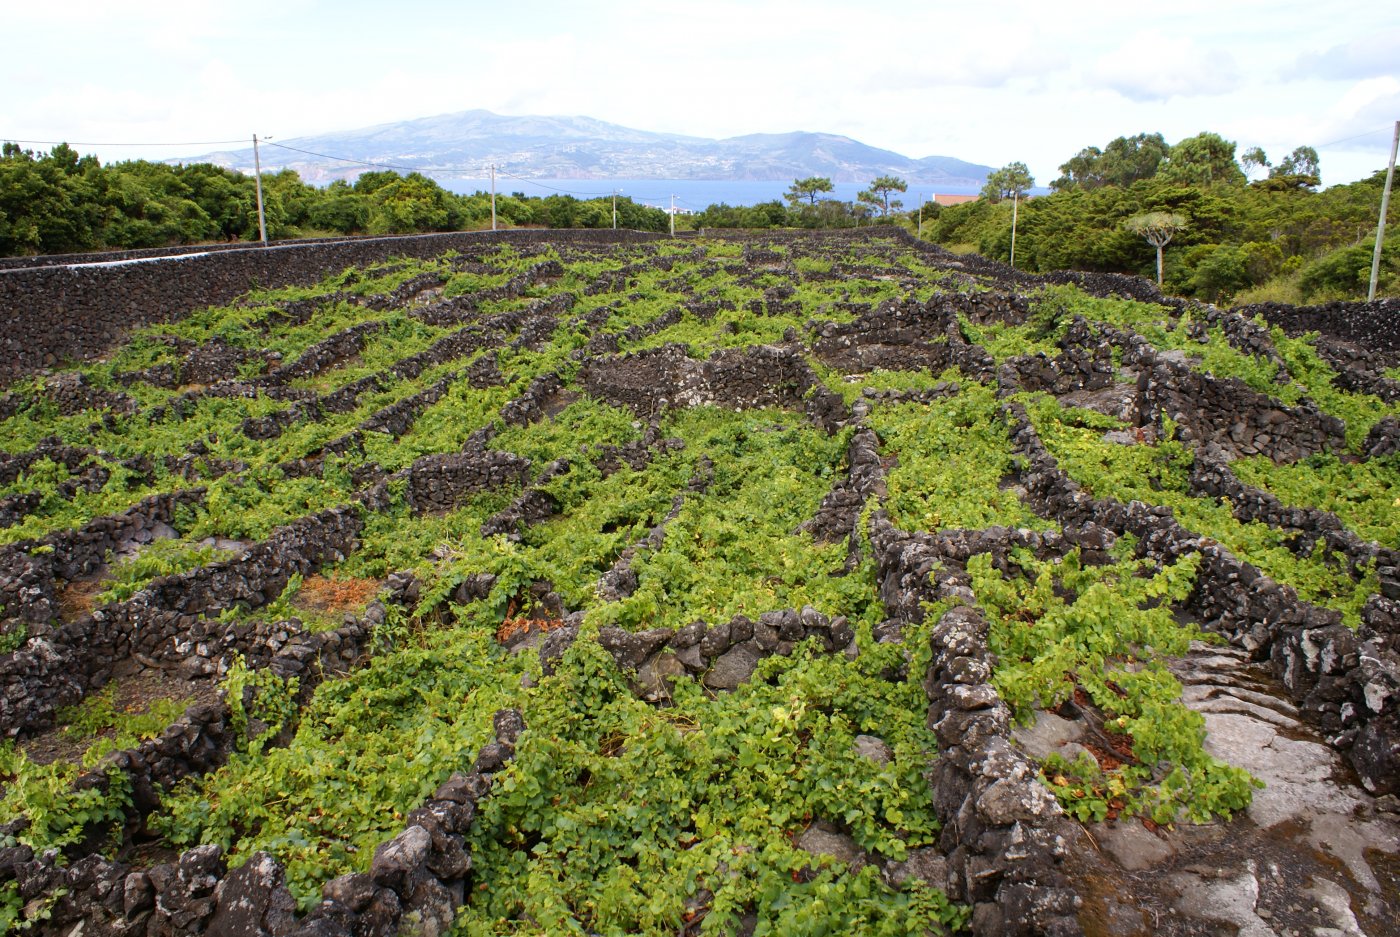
584, 148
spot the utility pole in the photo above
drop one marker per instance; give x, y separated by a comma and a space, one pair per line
257, 185
615, 191
673, 216
1380, 226
1015, 197
921, 215
493, 196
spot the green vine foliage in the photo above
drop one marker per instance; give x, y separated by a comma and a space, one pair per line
106, 726
733, 549
368, 749
617, 816
160, 558
664, 809
260, 704
952, 456
1062, 626
1158, 474
58, 815
1364, 494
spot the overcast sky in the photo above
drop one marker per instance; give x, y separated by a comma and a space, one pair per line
986, 82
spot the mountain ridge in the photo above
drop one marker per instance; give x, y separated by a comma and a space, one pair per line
580, 147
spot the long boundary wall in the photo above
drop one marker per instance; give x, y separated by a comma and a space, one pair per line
73, 307
57, 314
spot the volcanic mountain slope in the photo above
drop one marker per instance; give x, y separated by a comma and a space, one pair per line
807, 584
585, 148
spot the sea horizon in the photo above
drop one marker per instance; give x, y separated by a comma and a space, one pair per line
692, 195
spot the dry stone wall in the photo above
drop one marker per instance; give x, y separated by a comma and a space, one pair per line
1003, 833
1347, 682
1004, 838
414, 884
30, 571
73, 312
1224, 411
1374, 326
60, 668
1211, 475
647, 382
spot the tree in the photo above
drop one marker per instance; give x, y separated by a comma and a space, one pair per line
878, 195
1254, 158
1298, 169
809, 189
1010, 181
411, 203
341, 209
1083, 170
1205, 159
1158, 228
1129, 159
1124, 161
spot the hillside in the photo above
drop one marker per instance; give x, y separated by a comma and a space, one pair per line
584, 148
751, 585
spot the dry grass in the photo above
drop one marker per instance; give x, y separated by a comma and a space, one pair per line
332, 596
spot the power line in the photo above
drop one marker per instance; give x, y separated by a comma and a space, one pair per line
81, 143
541, 185
374, 165
608, 194
1369, 133
435, 169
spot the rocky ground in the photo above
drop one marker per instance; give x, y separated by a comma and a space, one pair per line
1315, 855
531, 526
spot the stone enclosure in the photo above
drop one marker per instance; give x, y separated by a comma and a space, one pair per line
860, 305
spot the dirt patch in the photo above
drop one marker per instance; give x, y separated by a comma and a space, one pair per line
332, 597
134, 695
78, 598
515, 630
557, 403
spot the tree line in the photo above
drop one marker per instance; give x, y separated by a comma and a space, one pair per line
1189, 215
803, 206
59, 202
1185, 213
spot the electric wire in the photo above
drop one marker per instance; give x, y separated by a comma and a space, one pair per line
427, 170
82, 143
1369, 133
541, 185
364, 162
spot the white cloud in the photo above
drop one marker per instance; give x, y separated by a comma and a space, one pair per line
1152, 66
1368, 100
1356, 131
990, 83
1367, 56
995, 64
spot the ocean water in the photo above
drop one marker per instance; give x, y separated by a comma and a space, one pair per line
691, 194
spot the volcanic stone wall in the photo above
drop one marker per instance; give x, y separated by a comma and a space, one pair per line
1225, 411
414, 884
648, 381
1004, 834
1211, 475
56, 314
59, 669
143, 253
1347, 682
1374, 326
29, 570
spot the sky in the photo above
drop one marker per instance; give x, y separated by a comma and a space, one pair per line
988, 82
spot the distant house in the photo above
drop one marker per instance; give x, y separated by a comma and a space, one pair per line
946, 200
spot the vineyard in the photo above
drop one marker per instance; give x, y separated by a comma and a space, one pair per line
703, 586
